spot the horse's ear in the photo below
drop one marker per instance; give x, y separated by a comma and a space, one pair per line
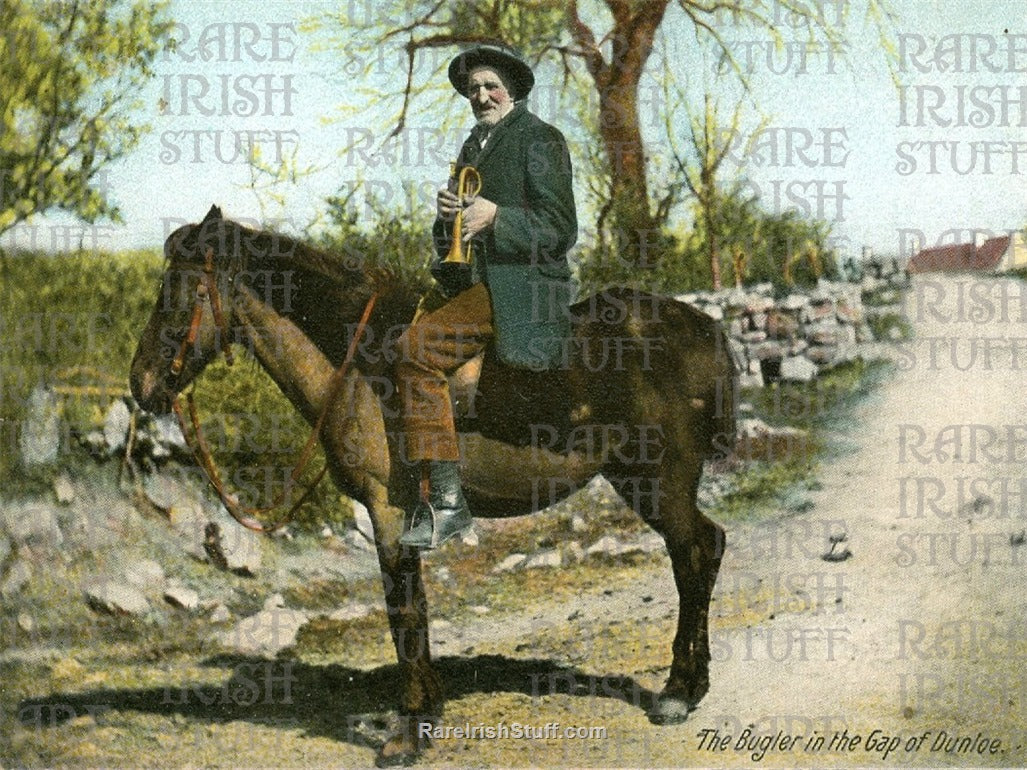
213, 215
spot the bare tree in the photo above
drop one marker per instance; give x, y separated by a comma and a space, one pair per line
605, 47
710, 141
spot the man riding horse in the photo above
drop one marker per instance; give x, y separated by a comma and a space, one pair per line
644, 391
515, 293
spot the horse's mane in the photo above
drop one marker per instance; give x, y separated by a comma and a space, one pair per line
329, 288
240, 247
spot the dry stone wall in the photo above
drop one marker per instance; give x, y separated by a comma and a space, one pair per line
796, 337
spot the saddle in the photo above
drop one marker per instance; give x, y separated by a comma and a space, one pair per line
508, 403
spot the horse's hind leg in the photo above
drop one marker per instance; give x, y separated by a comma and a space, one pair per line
695, 546
696, 561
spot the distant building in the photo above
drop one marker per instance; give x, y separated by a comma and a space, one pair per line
994, 255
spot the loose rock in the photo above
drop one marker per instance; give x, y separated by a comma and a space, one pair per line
798, 369
63, 490
18, 575
607, 545
31, 524
167, 433
362, 522
182, 597
548, 558
358, 541
189, 522
746, 380
837, 553
353, 611
574, 552
115, 425
232, 547
167, 492
273, 602
116, 598
651, 542
266, 633
40, 438
145, 574
510, 563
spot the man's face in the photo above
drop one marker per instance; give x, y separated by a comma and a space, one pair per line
489, 97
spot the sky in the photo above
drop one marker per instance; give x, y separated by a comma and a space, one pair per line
891, 165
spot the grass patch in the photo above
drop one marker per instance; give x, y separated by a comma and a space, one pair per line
890, 327
778, 480
817, 405
1020, 273
888, 295
318, 594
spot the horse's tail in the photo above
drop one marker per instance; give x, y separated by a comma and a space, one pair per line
708, 366
723, 415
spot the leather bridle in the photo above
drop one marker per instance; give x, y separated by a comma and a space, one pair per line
207, 290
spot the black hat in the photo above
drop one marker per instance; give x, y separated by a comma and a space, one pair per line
501, 57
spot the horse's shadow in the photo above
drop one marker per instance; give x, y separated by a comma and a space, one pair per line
334, 701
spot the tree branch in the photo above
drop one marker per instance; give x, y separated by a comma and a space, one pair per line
586, 41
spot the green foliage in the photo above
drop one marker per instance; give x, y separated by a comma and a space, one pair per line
677, 270
887, 295
75, 320
762, 488
255, 436
602, 52
754, 247
528, 25
399, 244
890, 327
71, 319
70, 79
821, 402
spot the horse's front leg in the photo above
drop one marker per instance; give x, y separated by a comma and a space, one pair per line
421, 696
371, 464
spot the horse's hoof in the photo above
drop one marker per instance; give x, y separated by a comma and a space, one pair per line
397, 752
670, 711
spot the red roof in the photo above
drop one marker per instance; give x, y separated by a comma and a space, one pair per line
991, 251
960, 256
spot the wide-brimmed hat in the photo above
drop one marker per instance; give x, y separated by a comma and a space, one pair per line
500, 57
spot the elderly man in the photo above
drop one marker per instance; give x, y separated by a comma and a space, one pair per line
515, 292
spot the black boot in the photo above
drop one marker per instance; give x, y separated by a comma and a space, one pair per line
445, 513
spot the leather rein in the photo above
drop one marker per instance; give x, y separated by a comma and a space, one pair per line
207, 290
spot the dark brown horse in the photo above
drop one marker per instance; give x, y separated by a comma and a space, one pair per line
645, 396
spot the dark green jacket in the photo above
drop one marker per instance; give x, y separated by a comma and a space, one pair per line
526, 171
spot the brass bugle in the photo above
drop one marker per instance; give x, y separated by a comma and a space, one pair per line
468, 183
